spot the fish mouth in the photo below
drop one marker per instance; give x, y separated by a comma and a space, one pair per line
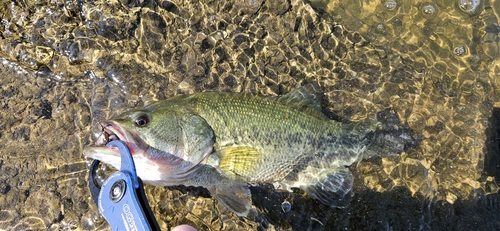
111, 130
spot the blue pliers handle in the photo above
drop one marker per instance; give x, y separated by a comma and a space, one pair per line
120, 198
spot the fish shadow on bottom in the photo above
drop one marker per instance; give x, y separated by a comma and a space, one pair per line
395, 209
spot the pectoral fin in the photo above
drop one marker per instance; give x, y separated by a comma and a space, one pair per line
332, 189
239, 160
235, 196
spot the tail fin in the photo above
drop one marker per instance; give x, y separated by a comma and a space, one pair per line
390, 137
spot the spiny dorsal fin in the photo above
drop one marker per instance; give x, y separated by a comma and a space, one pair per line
308, 95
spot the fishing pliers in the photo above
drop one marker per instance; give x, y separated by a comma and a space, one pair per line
120, 198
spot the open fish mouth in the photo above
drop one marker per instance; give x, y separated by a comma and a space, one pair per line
110, 133
111, 130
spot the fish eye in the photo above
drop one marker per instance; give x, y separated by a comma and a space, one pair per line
141, 121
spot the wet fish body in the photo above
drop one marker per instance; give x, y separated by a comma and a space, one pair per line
226, 141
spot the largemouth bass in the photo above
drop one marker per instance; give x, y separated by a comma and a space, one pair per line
228, 141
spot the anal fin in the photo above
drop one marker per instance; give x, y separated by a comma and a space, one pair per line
333, 188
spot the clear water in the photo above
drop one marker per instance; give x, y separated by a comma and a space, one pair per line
67, 64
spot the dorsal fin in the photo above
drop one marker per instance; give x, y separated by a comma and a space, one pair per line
308, 95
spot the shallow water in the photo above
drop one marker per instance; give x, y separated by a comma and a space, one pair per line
66, 65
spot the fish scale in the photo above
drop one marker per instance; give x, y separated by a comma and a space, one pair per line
276, 123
